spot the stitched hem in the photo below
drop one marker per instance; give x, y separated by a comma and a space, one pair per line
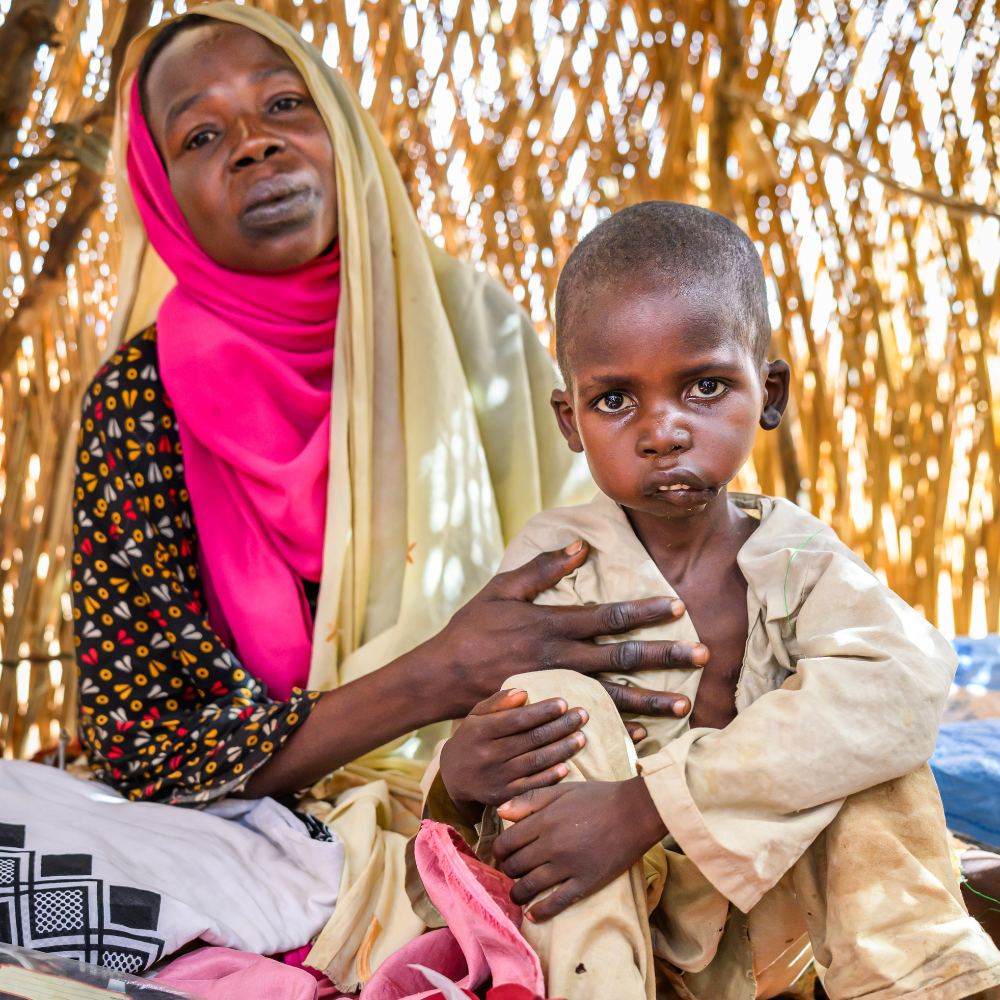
965, 984
733, 877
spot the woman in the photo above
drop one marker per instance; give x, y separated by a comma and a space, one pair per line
297, 476
295, 472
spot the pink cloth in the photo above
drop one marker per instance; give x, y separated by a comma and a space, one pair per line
247, 360
225, 974
482, 938
297, 960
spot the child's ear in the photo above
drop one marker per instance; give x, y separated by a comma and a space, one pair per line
775, 394
562, 404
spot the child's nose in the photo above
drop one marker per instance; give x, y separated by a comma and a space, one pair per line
664, 434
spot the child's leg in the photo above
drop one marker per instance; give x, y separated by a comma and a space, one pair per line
882, 902
599, 948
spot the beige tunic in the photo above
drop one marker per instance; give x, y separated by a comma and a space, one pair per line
856, 683
809, 828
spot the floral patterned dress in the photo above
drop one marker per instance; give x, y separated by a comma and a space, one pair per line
167, 712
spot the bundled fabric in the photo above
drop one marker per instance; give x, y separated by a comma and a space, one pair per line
87, 874
482, 939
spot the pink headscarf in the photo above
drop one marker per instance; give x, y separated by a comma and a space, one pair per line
247, 360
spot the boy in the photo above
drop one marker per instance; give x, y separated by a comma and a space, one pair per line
790, 815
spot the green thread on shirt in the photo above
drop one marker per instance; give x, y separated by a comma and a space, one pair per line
784, 588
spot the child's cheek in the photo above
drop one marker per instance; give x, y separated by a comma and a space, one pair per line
611, 455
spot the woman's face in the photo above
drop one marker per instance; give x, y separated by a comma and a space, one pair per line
246, 150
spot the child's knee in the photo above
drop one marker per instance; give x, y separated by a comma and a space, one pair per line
607, 754
576, 689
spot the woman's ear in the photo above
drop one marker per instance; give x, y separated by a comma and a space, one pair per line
775, 394
562, 404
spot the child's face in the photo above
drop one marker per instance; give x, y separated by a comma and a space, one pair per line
246, 150
665, 397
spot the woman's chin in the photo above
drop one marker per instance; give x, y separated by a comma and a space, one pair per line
271, 253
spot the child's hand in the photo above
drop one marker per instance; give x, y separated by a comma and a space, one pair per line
575, 839
505, 748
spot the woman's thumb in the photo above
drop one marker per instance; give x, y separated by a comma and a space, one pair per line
543, 572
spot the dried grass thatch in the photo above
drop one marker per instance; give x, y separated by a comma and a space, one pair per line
854, 141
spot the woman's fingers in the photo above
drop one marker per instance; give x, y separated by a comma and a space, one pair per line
642, 701
592, 620
630, 656
637, 731
539, 575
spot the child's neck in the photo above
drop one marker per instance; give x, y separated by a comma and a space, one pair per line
697, 557
680, 545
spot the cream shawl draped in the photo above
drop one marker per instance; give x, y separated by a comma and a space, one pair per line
442, 442
442, 445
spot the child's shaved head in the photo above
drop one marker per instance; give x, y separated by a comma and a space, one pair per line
668, 245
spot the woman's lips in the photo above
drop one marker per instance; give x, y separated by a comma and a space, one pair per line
277, 201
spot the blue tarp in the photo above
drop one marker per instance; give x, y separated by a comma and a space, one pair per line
978, 661
966, 765
966, 762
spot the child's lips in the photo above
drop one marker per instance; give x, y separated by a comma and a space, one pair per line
686, 489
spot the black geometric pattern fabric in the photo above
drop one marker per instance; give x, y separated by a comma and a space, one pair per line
50, 902
167, 712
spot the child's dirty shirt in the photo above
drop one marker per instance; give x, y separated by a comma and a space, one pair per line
856, 683
808, 829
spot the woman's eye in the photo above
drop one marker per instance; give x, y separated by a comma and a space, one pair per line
200, 139
708, 388
613, 402
286, 104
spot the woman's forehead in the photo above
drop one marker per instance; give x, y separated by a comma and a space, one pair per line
201, 57
211, 51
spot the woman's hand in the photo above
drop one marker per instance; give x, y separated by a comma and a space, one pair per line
497, 634
577, 837
500, 633
504, 748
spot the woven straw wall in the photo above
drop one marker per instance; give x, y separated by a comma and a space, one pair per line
853, 141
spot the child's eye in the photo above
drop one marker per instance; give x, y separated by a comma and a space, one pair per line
613, 402
708, 388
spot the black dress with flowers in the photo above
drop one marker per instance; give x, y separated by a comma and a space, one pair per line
167, 712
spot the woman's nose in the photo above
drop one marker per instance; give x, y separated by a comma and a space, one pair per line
255, 147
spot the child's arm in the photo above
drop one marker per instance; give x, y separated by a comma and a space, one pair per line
505, 748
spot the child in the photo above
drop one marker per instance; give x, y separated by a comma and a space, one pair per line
791, 814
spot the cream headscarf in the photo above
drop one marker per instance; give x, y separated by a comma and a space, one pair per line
442, 441
442, 445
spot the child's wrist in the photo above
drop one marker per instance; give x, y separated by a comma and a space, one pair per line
649, 825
